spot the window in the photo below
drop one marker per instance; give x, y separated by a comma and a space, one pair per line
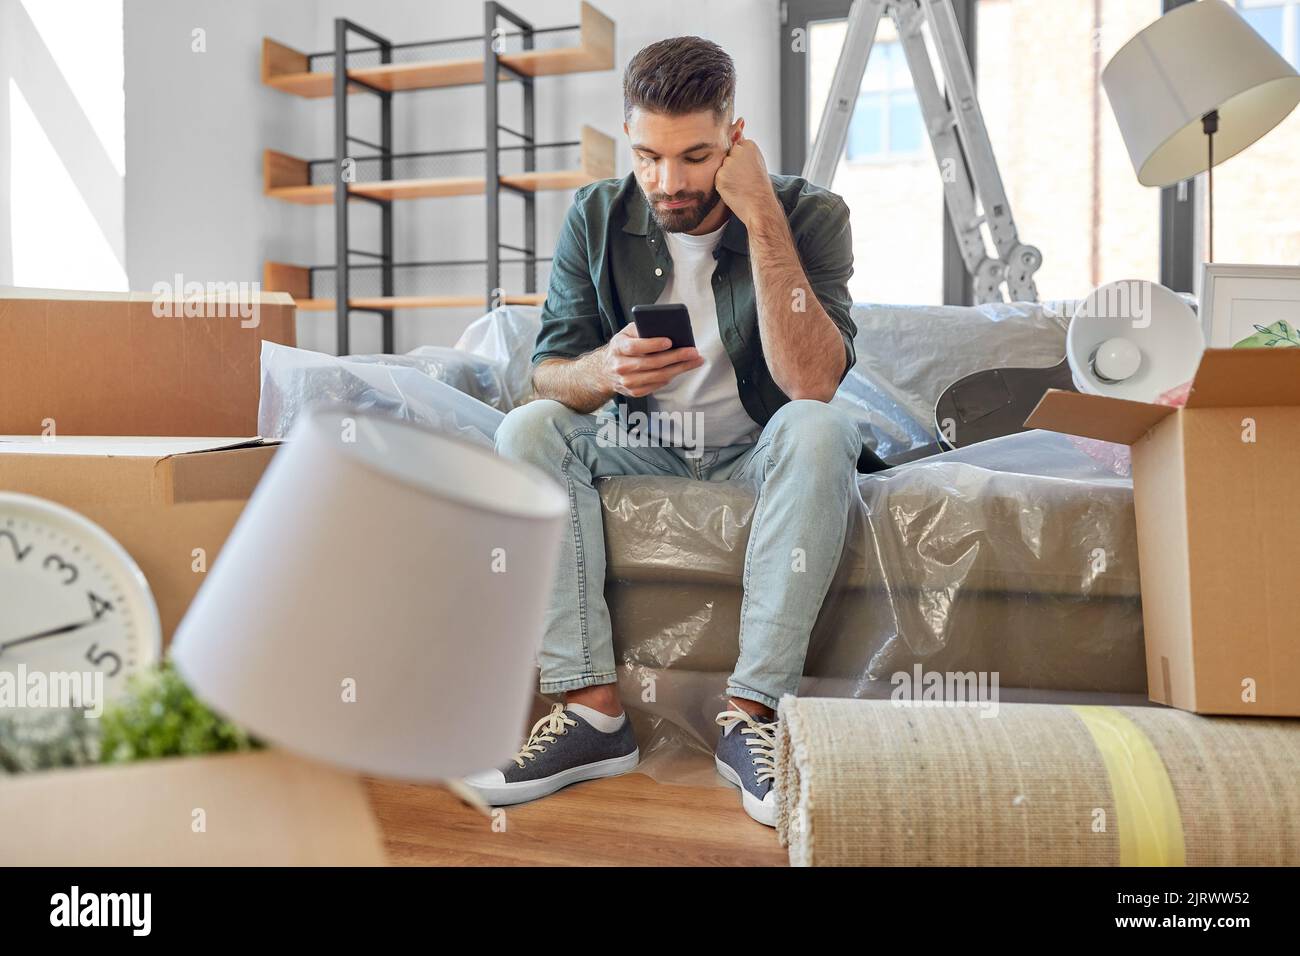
1064, 164
887, 175
1278, 22
886, 122
1256, 218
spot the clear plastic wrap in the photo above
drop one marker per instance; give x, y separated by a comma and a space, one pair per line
468, 373
1015, 557
908, 354
506, 337
405, 386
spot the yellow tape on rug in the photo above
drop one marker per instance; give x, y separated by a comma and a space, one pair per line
1150, 824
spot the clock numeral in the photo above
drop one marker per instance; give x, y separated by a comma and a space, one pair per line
61, 565
19, 553
98, 661
98, 606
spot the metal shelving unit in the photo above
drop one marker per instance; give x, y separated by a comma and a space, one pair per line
343, 250
405, 67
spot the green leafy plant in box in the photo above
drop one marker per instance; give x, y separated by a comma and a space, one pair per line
159, 716
1280, 334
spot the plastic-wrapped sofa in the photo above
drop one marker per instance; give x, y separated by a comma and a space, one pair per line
1016, 557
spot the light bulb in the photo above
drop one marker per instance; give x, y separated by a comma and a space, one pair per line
1115, 360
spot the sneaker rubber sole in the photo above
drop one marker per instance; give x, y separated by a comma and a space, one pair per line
524, 791
764, 813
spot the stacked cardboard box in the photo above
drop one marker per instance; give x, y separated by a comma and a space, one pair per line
147, 371
170, 502
109, 404
108, 363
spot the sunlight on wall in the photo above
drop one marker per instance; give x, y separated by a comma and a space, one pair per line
56, 239
57, 244
85, 39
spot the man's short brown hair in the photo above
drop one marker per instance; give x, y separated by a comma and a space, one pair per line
680, 75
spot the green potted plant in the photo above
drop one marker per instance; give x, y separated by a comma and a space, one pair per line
158, 716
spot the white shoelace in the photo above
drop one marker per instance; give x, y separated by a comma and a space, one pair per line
762, 745
544, 732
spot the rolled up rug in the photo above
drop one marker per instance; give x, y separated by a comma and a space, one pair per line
873, 783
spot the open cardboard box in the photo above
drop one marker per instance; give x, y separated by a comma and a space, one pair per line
162, 498
1216, 490
167, 501
264, 808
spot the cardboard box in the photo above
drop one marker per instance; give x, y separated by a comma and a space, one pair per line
164, 540
161, 498
266, 808
134, 363
1216, 490
103, 469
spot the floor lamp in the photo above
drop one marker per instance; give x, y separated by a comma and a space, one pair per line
1195, 88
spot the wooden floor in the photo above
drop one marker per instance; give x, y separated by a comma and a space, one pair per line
621, 821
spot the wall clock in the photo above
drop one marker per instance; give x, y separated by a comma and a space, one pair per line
72, 600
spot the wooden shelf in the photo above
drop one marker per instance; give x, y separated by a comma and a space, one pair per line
288, 178
289, 70
296, 280
418, 302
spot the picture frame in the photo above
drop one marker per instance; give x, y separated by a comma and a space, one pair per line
1257, 305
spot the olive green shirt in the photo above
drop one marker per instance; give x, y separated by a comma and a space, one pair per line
611, 255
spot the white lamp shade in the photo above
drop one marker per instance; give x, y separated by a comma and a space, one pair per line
1199, 57
1140, 317
408, 566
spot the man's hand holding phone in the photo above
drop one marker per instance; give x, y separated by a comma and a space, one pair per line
633, 366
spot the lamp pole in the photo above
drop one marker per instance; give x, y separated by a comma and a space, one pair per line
1210, 123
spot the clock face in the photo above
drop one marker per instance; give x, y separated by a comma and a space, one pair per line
72, 601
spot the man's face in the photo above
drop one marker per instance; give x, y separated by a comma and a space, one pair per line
676, 159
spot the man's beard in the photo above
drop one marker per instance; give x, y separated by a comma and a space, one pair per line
687, 217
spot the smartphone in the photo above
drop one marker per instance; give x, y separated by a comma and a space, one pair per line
664, 321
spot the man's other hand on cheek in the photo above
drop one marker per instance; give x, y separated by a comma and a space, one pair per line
743, 181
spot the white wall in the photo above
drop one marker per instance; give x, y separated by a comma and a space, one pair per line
197, 124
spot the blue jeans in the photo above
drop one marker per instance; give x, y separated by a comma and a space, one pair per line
803, 465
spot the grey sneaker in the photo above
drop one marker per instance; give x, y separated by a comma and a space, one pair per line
746, 759
561, 749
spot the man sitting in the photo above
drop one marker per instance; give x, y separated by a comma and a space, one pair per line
762, 263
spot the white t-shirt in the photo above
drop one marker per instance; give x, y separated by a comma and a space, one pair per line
709, 392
